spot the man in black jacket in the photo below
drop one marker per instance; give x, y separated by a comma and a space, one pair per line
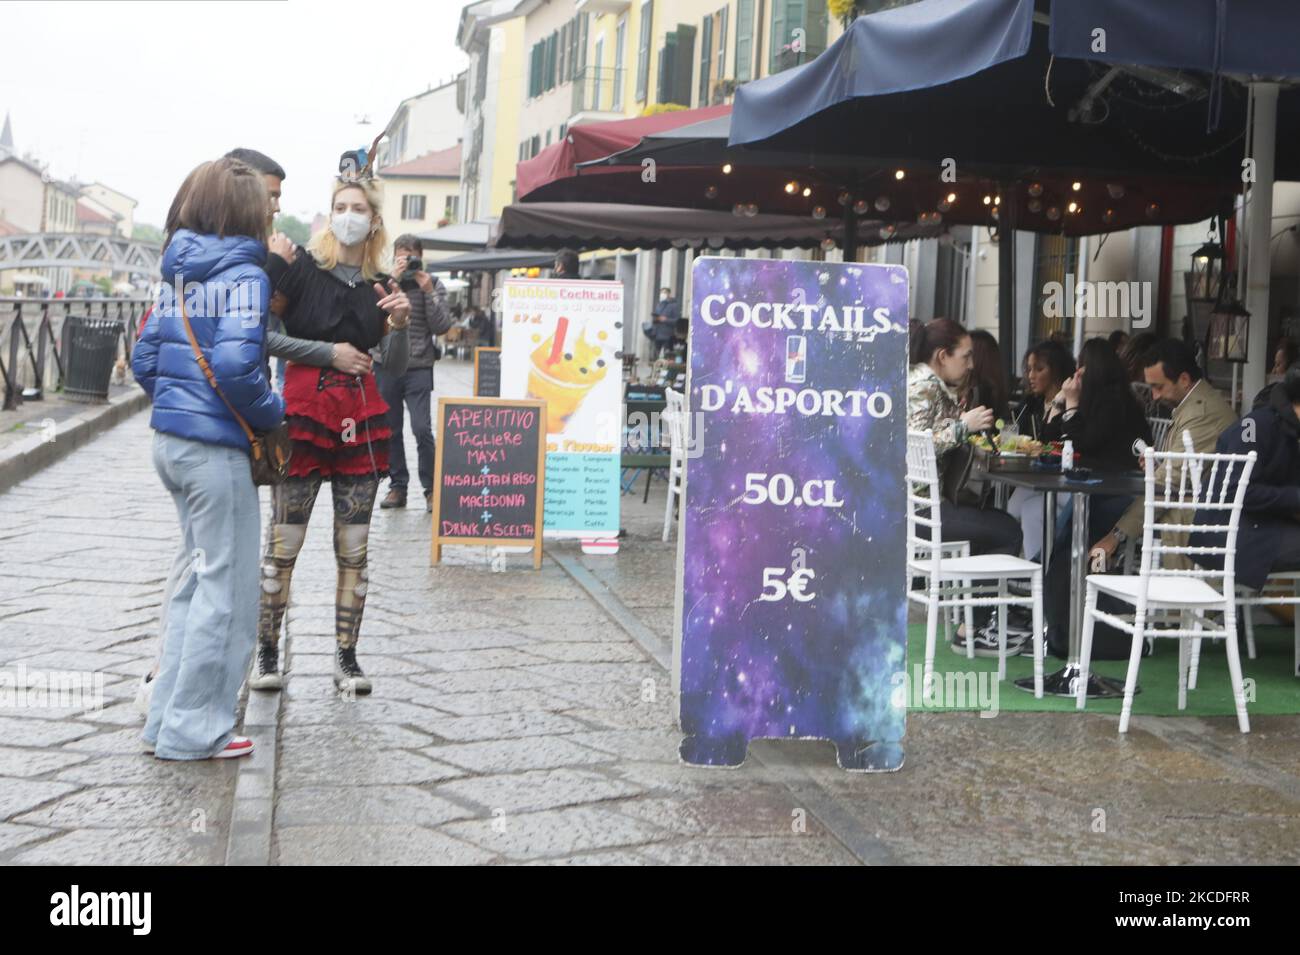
1268, 538
429, 318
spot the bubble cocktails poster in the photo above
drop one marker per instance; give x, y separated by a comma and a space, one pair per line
560, 343
794, 604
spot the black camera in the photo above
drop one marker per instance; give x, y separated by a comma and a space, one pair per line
406, 281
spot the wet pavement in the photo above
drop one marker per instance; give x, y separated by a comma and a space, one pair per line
524, 716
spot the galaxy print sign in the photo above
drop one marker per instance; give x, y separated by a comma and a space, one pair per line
794, 607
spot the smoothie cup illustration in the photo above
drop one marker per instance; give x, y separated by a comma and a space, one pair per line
563, 375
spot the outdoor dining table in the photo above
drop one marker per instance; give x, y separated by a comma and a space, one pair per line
1015, 473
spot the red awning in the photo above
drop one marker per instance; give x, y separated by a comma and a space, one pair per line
597, 140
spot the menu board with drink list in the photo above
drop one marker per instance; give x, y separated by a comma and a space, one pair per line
489, 474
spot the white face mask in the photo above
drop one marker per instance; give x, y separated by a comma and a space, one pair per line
350, 227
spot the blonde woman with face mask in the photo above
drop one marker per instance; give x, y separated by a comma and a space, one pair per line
334, 291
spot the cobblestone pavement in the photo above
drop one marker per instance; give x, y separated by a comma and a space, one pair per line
516, 720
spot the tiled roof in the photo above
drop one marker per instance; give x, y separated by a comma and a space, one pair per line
443, 163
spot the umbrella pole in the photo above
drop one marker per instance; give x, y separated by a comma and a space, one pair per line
1007, 285
1259, 220
850, 244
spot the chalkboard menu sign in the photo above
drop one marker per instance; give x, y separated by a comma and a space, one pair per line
487, 372
488, 474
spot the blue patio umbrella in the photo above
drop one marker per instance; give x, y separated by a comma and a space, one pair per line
1100, 89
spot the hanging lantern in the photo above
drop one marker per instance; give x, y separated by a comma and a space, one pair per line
1207, 271
751, 210
844, 198
828, 244
1035, 205
882, 203
860, 207
1153, 210
711, 192
1035, 189
819, 212
1109, 217
1229, 331
1053, 213
1115, 189
738, 209
886, 232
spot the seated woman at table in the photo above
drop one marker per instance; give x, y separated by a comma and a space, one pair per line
941, 355
1048, 365
1098, 412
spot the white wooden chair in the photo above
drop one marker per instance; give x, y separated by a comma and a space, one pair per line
1279, 590
947, 581
674, 415
1204, 482
1159, 431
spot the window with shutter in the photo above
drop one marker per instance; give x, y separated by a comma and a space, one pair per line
582, 40
563, 54
744, 40
807, 16
706, 60
645, 27
620, 44
720, 69
552, 44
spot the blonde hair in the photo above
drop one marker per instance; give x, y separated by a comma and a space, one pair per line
324, 246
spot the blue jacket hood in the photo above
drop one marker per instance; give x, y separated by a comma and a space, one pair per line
196, 258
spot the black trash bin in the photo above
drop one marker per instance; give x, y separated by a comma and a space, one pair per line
90, 350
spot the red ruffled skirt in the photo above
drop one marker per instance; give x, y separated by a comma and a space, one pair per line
339, 425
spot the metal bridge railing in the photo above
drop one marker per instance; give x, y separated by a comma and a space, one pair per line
33, 345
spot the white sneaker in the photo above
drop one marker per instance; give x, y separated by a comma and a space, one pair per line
144, 694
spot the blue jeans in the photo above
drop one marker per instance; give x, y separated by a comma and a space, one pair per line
414, 390
211, 621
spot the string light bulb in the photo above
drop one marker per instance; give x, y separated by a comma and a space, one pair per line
899, 174
807, 191
726, 169
791, 187
1076, 186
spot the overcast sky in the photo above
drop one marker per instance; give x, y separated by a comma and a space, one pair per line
136, 93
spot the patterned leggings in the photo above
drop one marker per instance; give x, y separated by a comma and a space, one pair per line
291, 506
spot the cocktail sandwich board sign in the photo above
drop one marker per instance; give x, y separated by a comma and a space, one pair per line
794, 619
489, 474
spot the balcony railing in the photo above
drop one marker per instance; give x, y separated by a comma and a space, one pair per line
598, 88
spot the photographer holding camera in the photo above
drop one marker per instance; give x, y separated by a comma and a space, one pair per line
429, 318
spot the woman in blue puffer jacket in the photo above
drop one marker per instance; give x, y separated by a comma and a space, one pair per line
213, 267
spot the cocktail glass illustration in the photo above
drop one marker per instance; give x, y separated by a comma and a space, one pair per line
564, 376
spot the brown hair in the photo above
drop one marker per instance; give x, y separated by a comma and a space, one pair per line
939, 334
224, 197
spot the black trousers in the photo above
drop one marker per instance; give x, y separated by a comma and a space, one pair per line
989, 530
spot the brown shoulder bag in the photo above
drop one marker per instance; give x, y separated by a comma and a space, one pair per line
268, 453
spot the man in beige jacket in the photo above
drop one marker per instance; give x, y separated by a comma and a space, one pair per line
1172, 373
